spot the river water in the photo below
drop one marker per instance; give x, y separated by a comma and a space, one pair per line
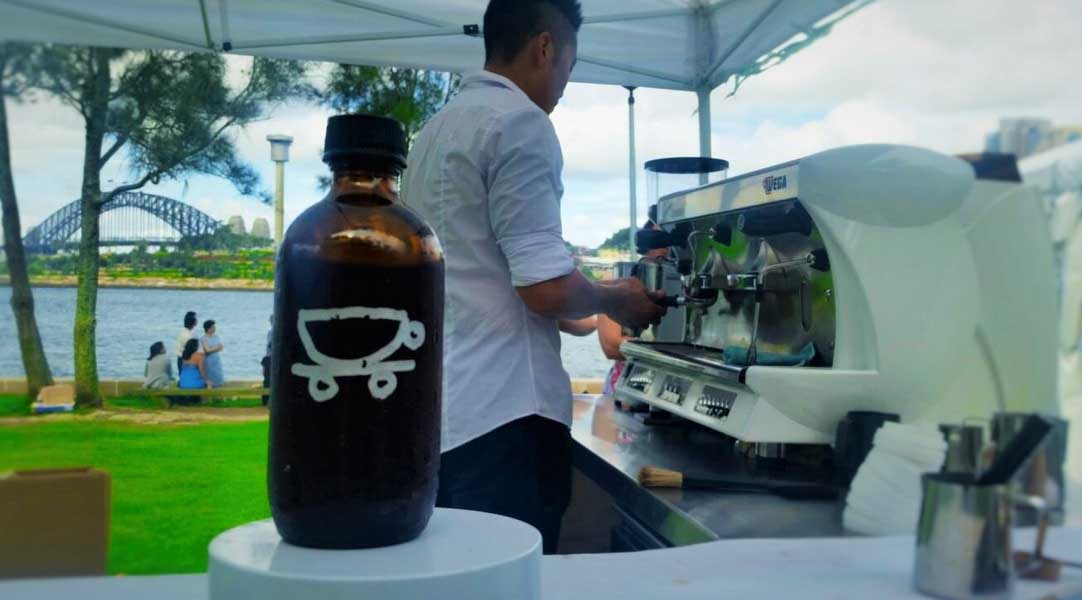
130, 320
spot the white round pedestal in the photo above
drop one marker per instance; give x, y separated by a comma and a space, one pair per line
461, 554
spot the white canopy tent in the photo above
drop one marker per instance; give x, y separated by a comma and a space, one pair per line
1056, 171
1057, 175
691, 45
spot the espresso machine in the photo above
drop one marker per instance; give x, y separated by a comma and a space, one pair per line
876, 277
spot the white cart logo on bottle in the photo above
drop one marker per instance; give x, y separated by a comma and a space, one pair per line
381, 372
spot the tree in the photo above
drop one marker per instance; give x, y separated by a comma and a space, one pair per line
617, 240
171, 114
13, 83
223, 238
408, 95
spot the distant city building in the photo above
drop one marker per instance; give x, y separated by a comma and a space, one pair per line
1024, 137
613, 254
236, 225
604, 264
261, 228
1061, 136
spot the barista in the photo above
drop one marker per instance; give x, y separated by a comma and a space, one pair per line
485, 172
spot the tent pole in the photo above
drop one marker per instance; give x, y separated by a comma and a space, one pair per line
631, 169
704, 126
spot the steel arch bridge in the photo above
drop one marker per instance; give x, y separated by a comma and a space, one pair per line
59, 227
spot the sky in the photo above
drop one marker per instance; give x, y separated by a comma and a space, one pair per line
933, 73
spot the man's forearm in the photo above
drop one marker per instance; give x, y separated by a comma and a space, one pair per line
574, 297
569, 297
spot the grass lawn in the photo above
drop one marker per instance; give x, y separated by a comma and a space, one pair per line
13, 405
173, 487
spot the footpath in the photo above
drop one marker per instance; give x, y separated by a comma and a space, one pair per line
186, 283
181, 415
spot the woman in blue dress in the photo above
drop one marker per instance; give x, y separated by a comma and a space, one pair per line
212, 347
193, 374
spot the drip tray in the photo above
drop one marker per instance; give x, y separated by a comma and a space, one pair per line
701, 356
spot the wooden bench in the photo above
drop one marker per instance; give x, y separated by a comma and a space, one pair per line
206, 394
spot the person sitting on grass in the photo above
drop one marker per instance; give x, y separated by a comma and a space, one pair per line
158, 372
193, 373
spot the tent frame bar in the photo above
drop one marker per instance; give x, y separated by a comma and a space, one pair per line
763, 16
95, 20
704, 126
684, 83
223, 19
632, 169
206, 25
599, 19
348, 38
393, 12
636, 16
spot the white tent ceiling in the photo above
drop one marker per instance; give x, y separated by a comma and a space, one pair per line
690, 45
1055, 171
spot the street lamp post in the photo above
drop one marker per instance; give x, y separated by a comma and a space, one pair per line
280, 156
631, 170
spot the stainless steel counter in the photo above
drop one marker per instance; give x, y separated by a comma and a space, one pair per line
611, 446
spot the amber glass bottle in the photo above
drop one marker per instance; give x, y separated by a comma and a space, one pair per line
356, 373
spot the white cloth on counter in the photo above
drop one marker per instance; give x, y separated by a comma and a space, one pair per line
485, 174
885, 495
879, 568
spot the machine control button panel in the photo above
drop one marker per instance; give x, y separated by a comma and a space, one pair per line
674, 390
715, 403
639, 378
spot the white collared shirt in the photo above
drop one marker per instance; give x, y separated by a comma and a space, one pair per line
485, 174
183, 337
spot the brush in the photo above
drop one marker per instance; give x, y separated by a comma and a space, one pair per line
665, 478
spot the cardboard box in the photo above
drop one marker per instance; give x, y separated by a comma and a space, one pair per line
55, 398
54, 522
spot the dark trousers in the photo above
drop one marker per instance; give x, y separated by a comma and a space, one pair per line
521, 470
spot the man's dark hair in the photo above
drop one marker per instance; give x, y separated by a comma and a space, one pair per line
509, 24
189, 319
207, 325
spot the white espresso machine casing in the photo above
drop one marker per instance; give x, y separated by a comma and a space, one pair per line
943, 289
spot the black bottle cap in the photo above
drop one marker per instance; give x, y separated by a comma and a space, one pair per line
351, 137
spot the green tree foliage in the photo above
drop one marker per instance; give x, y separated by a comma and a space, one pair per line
14, 83
212, 260
617, 240
171, 115
224, 239
408, 95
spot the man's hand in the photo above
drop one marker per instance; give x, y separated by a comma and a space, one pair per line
629, 304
